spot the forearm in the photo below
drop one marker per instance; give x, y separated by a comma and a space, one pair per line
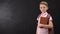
47, 26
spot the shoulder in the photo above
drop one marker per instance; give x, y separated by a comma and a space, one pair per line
49, 14
39, 15
50, 17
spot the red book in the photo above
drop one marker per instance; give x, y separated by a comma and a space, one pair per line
44, 20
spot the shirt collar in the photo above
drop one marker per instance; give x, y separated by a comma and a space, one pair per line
44, 13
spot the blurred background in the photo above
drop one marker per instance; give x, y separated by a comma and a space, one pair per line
19, 16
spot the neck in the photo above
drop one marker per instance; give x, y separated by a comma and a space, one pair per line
43, 12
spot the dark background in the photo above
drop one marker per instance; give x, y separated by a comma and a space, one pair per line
19, 16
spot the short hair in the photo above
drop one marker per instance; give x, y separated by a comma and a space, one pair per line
44, 2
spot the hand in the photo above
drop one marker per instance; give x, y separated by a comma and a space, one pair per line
41, 25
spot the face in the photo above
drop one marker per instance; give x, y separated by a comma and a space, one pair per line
43, 8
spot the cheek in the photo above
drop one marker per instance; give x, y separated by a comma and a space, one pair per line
46, 9
41, 9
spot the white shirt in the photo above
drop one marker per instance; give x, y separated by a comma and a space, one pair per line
42, 30
44, 15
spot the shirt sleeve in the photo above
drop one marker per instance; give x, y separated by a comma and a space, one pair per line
37, 18
50, 18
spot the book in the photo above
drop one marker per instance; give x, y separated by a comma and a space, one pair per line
44, 20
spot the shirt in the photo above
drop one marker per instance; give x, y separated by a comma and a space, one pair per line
42, 30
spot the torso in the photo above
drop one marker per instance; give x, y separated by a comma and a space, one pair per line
42, 30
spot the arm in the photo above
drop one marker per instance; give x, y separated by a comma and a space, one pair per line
50, 25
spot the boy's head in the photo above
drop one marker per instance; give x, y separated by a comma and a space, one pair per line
43, 6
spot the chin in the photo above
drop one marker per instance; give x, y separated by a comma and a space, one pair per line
43, 11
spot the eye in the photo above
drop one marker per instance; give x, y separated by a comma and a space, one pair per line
43, 7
